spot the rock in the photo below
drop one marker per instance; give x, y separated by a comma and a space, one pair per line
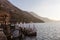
2, 35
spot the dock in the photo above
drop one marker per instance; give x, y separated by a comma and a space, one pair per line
13, 31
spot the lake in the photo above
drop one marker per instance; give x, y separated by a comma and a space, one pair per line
46, 31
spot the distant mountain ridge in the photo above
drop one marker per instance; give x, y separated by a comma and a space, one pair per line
18, 15
42, 18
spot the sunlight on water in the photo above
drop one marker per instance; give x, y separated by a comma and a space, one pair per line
47, 31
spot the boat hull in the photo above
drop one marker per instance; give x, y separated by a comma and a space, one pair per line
32, 34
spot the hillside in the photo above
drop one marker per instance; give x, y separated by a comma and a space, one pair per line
18, 15
42, 18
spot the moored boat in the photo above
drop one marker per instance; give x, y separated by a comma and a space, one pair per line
30, 32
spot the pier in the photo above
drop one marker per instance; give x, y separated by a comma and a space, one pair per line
18, 30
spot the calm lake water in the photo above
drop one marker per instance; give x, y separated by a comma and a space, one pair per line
46, 31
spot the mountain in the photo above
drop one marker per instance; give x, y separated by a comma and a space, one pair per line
16, 14
42, 18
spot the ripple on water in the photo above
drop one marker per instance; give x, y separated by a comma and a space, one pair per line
46, 31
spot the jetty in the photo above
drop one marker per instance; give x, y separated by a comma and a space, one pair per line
18, 30
27, 29
23, 29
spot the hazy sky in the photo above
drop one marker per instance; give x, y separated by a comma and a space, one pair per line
44, 8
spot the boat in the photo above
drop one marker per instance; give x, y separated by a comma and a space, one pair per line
30, 32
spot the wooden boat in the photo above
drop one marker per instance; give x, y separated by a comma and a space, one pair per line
30, 32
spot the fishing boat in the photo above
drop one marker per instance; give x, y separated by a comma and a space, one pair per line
30, 32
